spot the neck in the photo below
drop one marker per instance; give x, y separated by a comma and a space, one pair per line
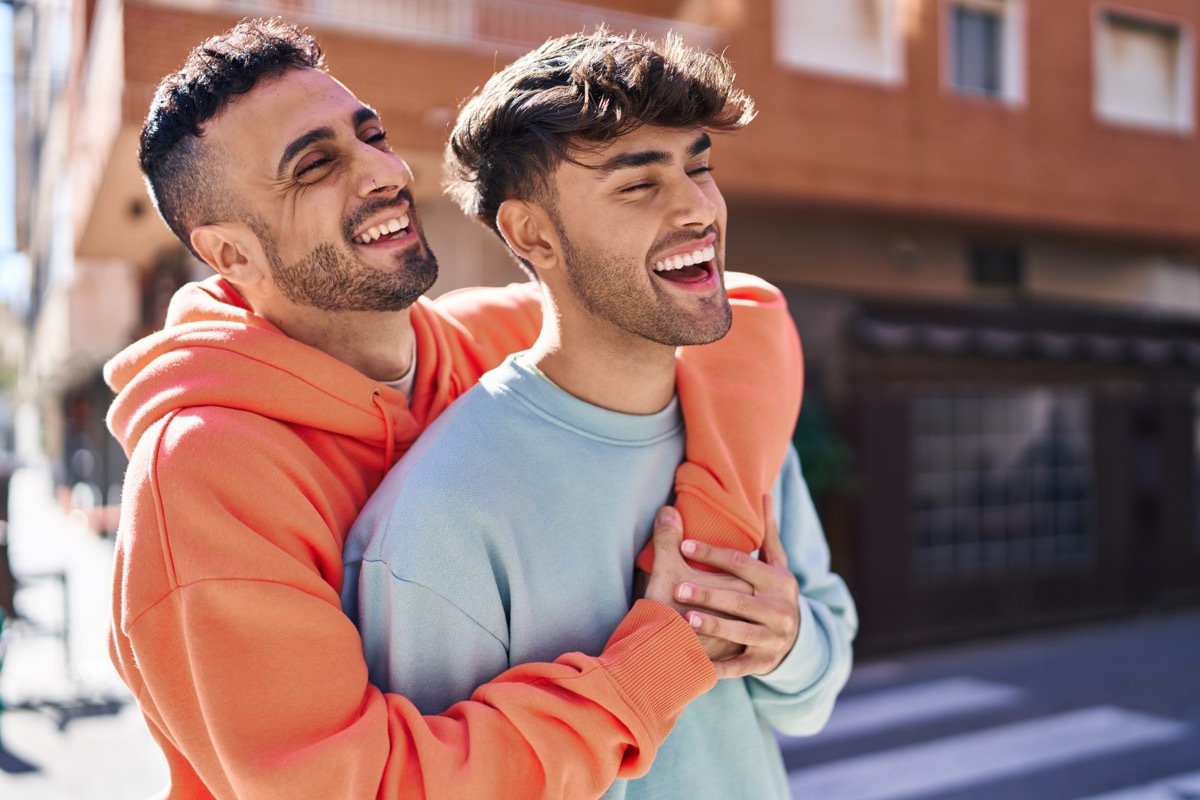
603, 365
379, 344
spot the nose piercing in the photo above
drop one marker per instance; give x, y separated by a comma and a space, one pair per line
373, 186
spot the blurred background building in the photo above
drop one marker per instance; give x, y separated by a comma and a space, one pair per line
983, 213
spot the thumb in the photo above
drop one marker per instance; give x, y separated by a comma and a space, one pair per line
668, 531
665, 541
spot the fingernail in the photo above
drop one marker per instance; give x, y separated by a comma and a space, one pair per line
668, 516
694, 620
685, 591
688, 546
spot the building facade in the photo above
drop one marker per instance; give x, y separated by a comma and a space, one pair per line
981, 212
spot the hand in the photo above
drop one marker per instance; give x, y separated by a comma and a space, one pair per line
766, 620
670, 570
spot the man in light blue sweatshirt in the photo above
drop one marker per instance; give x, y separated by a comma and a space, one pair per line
504, 536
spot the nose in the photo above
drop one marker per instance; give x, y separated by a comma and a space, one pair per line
693, 205
382, 173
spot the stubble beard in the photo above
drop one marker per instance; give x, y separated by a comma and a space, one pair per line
330, 278
611, 291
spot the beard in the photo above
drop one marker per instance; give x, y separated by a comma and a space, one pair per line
609, 289
331, 278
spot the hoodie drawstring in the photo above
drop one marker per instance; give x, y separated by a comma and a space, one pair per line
389, 433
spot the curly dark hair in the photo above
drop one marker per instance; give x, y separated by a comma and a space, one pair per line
181, 169
574, 94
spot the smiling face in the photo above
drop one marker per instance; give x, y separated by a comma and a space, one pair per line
642, 227
314, 176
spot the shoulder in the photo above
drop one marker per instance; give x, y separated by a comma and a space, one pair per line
229, 494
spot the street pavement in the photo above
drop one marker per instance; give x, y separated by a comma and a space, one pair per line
1105, 710
1101, 711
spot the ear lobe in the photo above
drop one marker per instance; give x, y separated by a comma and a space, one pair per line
232, 250
529, 233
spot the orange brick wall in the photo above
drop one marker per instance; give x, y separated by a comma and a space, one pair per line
921, 147
916, 147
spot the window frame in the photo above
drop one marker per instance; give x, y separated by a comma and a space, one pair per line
892, 44
1185, 66
1013, 38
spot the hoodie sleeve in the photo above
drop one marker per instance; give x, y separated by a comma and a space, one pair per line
228, 628
733, 453
740, 398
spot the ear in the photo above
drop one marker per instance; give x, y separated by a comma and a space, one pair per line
233, 250
530, 233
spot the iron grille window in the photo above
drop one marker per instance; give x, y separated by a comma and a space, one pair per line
1001, 482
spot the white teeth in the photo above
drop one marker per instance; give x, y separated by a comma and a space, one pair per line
700, 256
382, 229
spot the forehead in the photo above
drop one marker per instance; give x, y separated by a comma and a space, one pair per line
257, 127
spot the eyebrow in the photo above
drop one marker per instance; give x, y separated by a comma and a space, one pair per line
644, 158
324, 133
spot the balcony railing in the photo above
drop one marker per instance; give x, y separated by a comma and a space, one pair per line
515, 25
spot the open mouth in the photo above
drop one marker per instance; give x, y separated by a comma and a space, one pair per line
386, 231
693, 267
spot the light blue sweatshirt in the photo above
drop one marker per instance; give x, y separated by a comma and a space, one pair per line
508, 534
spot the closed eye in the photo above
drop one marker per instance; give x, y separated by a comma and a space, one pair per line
308, 166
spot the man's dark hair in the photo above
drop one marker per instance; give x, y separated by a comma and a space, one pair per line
574, 94
181, 174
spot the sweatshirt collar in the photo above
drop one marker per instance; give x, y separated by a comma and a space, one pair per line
530, 385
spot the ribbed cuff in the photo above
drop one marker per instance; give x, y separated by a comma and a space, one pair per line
708, 522
657, 661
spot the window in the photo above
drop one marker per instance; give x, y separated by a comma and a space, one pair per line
852, 38
985, 52
1001, 482
995, 265
1143, 72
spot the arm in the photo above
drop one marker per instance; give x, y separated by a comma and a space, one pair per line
732, 453
798, 695
432, 618
797, 624
229, 629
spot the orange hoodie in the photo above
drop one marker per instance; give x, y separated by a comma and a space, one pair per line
250, 456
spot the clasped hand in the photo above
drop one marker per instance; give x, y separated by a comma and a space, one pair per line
747, 615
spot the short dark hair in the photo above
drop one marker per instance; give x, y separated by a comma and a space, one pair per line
174, 158
575, 93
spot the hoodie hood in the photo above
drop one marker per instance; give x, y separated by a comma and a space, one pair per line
214, 351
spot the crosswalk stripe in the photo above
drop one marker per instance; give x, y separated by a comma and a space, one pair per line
985, 756
903, 707
1173, 788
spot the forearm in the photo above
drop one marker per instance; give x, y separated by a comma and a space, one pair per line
280, 705
799, 694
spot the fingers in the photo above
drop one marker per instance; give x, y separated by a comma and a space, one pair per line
735, 562
763, 616
760, 655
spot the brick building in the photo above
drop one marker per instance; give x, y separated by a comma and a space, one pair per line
982, 211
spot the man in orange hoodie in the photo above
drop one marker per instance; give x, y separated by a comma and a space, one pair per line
280, 392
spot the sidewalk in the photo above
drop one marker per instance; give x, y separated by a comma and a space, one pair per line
109, 755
